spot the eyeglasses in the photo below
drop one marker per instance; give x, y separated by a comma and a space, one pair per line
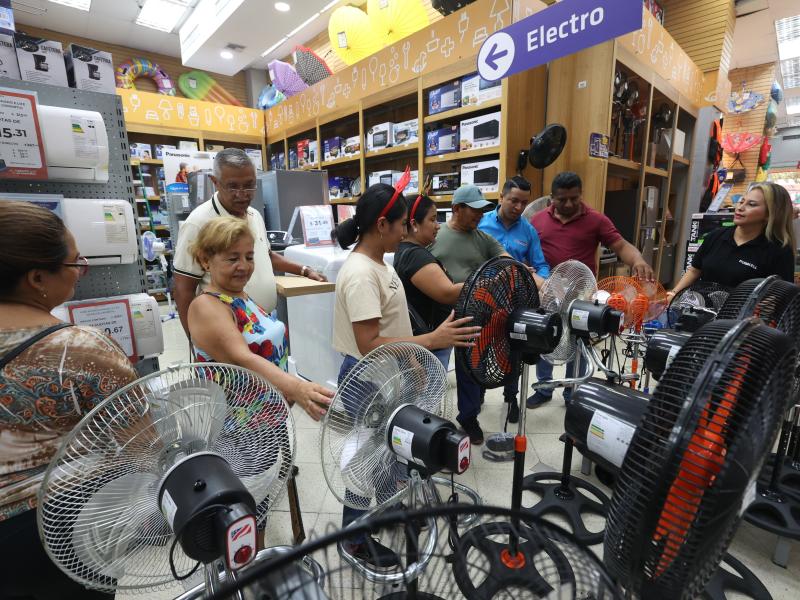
82, 264
239, 191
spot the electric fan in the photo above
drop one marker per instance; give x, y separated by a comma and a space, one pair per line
462, 563
619, 293
382, 438
696, 305
173, 470
547, 146
152, 249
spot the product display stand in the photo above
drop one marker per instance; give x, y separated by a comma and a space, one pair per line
101, 281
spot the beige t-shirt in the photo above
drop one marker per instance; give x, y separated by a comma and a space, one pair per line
368, 290
261, 286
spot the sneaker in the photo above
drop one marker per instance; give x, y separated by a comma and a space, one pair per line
513, 410
373, 553
474, 431
537, 399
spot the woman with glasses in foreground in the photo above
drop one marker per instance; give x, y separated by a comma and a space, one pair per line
51, 375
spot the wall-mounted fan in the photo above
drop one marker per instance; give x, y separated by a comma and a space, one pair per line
174, 470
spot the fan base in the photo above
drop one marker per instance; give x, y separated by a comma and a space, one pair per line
404, 595
788, 480
569, 502
775, 512
737, 578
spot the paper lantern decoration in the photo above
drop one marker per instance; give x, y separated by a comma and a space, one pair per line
285, 78
736, 143
396, 19
201, 86
270, 97
351, 35
134, 68
776, 93
309, 66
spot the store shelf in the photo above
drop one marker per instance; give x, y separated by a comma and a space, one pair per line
146, 161
464, 110
348, 200
311, 167
155, 272
680, 160
448, 198
157, 291
621, 163
432, 160
656, 171
341, 161
392, 150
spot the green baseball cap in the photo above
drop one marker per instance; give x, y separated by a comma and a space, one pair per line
472, 197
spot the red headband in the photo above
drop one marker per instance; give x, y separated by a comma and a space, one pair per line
398, 189
414, 208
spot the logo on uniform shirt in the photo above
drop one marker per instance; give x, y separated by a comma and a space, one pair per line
747, 264
394, 284
521, 243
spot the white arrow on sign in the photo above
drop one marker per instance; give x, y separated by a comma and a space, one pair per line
496, 56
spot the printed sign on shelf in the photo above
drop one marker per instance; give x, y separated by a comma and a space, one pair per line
564, 28
113, 317
598, 145
145, 108
317, 224
21, 147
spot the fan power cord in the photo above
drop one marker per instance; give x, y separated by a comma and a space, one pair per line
202, 512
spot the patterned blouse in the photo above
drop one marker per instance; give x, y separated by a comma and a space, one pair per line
44, 392
265, 335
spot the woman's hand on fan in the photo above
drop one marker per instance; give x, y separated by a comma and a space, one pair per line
312, 397
454, 332
670, 295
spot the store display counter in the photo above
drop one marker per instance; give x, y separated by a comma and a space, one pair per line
290, 286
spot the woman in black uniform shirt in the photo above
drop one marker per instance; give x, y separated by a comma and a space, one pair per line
761, 244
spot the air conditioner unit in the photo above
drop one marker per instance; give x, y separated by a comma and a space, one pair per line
75, 144
145, 317
104, 230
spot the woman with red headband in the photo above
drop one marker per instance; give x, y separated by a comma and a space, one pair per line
430, 291
371, 310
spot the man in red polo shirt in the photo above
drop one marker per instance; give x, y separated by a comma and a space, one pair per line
569, 229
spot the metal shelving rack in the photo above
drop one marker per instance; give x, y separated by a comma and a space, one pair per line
101, 280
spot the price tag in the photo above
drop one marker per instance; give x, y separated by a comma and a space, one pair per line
317, 225
112, 317
21, 147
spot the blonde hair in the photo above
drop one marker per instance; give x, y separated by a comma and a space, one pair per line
779, 214
218, 235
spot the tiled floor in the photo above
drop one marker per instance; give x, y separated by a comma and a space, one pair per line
321, 510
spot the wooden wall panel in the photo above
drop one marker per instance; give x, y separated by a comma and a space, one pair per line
758, 79
235, 85
704, 29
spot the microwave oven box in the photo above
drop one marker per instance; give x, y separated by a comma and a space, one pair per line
333, 148
445, 183
480, 132
388, 177
483, 174
476, 90
380, 136
444, 97
441, 141
406, 132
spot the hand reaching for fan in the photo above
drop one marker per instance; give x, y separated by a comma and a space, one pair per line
453, 332
641, 270
312, 397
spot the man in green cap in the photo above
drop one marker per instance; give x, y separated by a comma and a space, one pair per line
462, 247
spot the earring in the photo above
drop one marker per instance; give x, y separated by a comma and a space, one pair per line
44, 294
416, 230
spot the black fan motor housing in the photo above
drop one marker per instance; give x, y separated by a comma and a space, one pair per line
188, 493
599, 418
592, 319
534, 331
662, 347
430, 443
694, 318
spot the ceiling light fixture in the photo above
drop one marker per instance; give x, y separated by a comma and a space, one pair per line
226, 54
79, 4
329, 5
162, 15
274, 46
282, 6
788, 33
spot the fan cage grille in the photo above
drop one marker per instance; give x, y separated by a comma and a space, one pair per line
702, 294
99, 516
737, 299
569, 281
665, 532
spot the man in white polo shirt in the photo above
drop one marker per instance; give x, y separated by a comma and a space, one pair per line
235, 181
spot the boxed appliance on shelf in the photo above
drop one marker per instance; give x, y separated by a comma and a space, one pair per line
160, 149
138, 150
9, 67
339, 187
406, 132
387, 177
480, 132
214, 147
484, 174
303, 156
413, 184
277, 161
352, 145
679, 147
445, 183
255, 156
40, 60
90, 69
333, 148
380, 136
704, 223
445, 97
476, 90
292, 158
441, 141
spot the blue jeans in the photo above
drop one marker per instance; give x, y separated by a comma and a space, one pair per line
544, 372
469, 395
444, 357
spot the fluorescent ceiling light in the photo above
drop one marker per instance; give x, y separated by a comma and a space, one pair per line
226, 54
329, 5
79, 4
274, 46
303, 25
790, 69
282, 6
162, 15
788, 34
793, 105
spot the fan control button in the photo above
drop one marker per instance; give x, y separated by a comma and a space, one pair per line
243, 554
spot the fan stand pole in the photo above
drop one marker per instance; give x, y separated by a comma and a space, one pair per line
520, 446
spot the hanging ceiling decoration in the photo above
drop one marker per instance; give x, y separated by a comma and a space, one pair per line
311, 68
394, 20
351, 36
285, 78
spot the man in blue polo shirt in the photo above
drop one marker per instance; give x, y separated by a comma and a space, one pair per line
520, 240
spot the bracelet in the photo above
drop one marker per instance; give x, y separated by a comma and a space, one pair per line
304, 270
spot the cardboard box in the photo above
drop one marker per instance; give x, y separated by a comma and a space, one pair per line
8, 56
445, 97
352, 146
476, 90
141, 150
445, 183
255, 156
40, 60
387, 177
333, 148
406, 132
277, 161
292, 158
303, 155
441, 141
214, 147
339, 187
380, 136
680, 141
313, 152
413, 185
160, 150
485, 175
705, 223
480, 132
89, 69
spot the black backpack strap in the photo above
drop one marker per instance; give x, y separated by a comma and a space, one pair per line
15, 352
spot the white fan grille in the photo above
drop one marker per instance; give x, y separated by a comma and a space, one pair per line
571, 280
356, 460
98, 515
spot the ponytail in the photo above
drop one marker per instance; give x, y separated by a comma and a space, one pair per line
369, 209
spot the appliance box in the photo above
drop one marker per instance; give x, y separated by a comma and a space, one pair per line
406, 132
445, 97
680, 141
313, 152
292, 158
214, 147
89, 69
9, 67
160, 150
302, 152
333, 148
138, 150
480, 132
40, 60
484, 175
352, 146
475, 90
704, 223
339, 187
441, 141
445, 183
387, 177
380, 136
413, 184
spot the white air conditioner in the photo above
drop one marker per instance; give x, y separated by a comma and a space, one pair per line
104, 230
145, 317
75, 144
